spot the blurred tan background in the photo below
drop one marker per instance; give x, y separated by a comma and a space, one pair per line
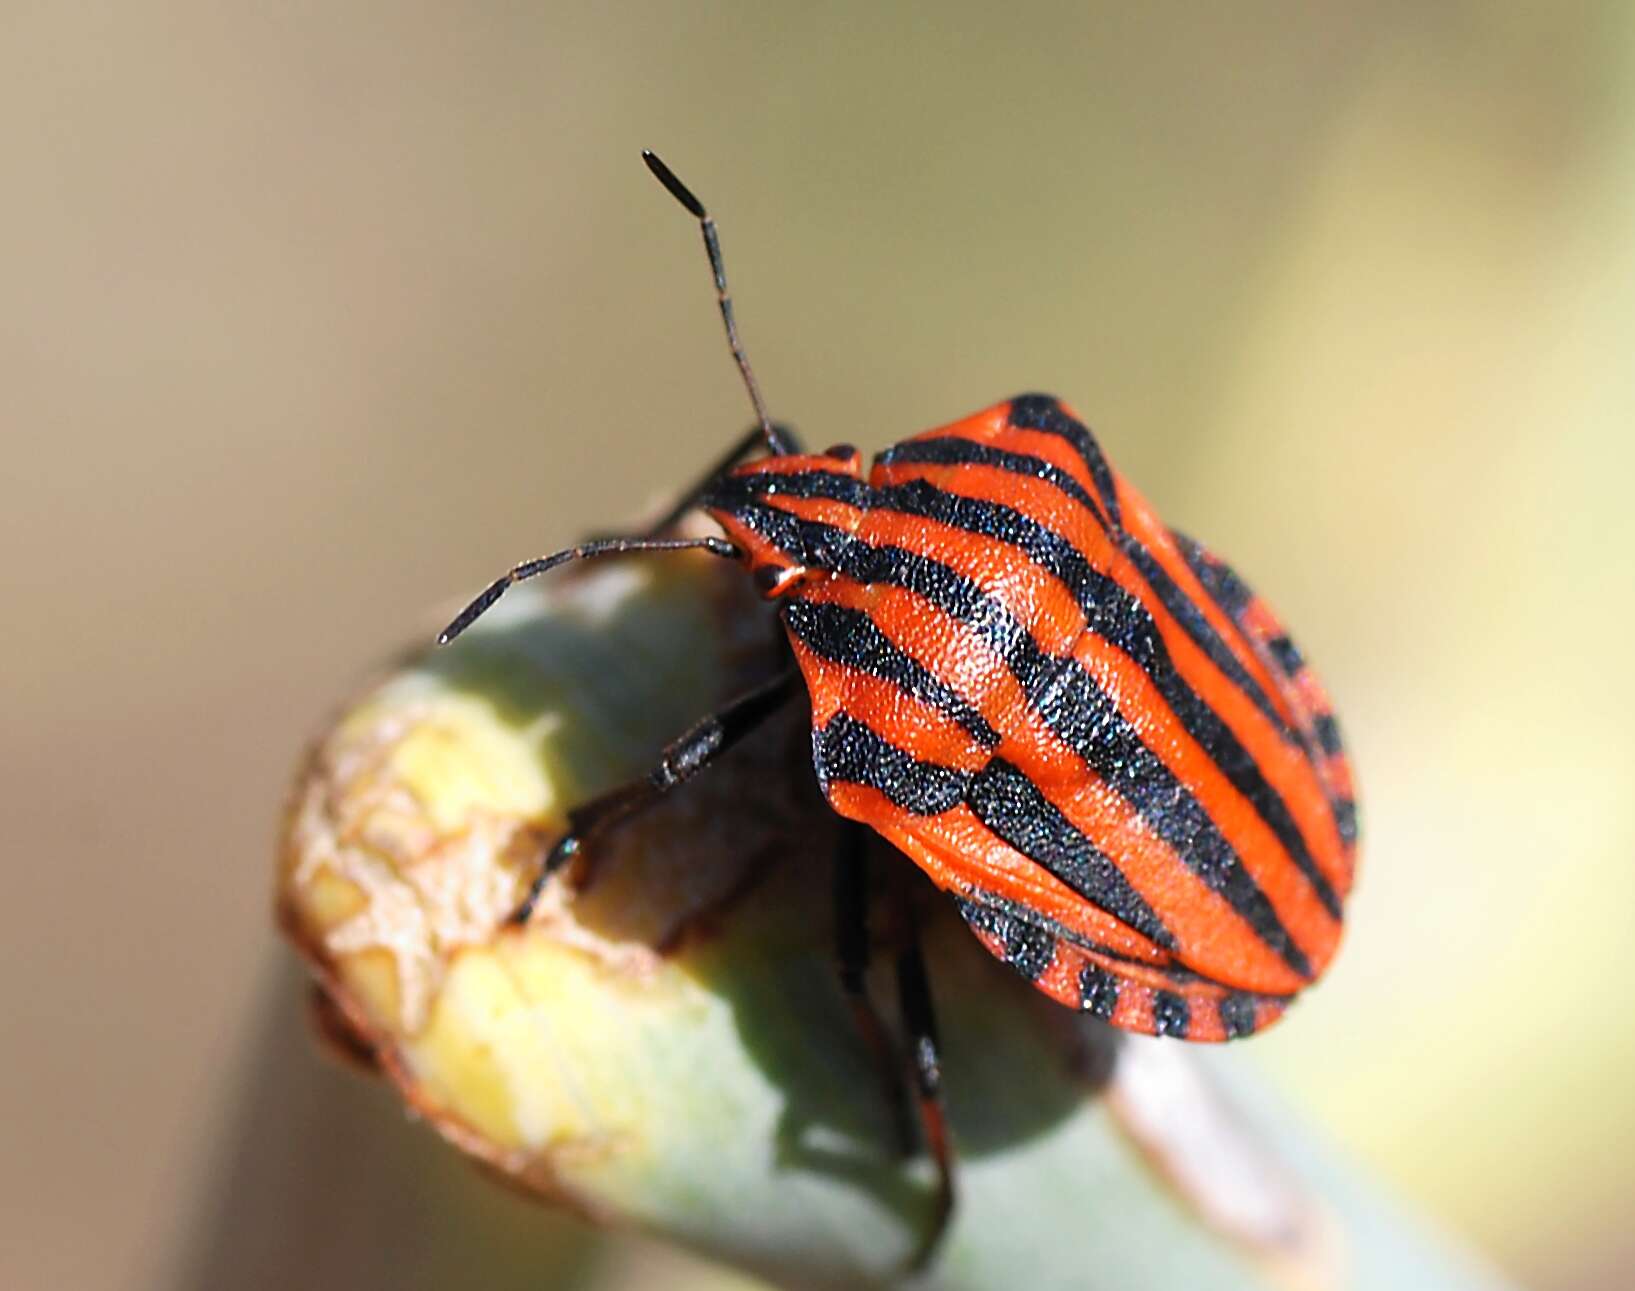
314, 316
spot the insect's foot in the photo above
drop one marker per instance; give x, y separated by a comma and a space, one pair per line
931, 1239
565, 850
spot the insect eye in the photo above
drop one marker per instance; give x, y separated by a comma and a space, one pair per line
768, 578
841, 452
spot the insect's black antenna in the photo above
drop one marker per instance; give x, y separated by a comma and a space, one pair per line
584, 551
776, 438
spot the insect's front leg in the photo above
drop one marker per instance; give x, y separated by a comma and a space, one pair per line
700, 745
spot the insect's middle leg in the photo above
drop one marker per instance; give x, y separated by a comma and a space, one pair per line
682, 759
919, 1021
914, 991
851, 909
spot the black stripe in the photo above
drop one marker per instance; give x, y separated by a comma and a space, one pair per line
1028, 947
848, 636
1005, 800
952, 450
1068, 699
1345, 820
1285, 655
1043, 412
1098, 991
1237, 1014
1234, 596
1027, 914
848, 751
1240, 1005
1224, 587
1219, 579
802, 543
1170, 1015
1195, 623
1008, 803
1327, 731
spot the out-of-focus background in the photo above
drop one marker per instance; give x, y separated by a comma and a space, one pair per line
314, 316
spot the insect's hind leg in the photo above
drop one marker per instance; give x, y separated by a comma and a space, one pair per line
700, 745
851, 910
914, 992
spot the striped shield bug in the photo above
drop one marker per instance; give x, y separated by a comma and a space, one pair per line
1082, 725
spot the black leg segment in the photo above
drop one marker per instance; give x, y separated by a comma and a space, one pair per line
915, 996
851, 902
682, 759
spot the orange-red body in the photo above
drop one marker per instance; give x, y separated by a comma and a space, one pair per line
1080, 724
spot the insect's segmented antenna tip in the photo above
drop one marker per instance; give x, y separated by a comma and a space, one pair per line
676, 188
475, 610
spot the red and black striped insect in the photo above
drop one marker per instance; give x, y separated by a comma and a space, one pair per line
1079, 723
